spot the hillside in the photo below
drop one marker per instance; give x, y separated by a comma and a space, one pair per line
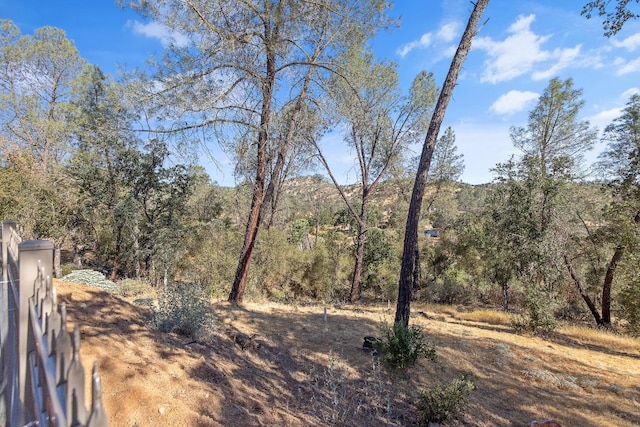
310, 372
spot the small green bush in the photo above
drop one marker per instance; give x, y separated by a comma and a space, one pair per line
183, 309
445, 400
538, 318
402, 346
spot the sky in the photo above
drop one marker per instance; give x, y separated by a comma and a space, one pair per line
520, 47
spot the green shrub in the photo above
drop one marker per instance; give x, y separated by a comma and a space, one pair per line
538, 318
445, 400
402, 346
183, 309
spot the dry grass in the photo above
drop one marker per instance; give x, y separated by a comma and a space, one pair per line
312, 372
600, 338
490, 317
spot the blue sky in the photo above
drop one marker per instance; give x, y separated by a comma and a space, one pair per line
520, 47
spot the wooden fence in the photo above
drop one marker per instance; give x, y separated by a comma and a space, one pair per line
42, 381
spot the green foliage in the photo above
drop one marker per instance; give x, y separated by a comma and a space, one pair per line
450, 288
276, 264
299, 228
630, 306
402, 346
445, 400
322, 274
211, 256
183, 308
538, 318
614, 19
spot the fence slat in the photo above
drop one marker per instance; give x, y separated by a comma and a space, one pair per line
42, 380
75, 384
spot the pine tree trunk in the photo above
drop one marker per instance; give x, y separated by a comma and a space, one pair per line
255, 214
359, 261
409, 258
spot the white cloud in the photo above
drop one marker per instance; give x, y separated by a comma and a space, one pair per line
604, 118
450, 51
158, 31
421, 43
520, 52
515, 55
565, 57
626, 95
631, 43
513, 101
626, 67
444, 34
448, 32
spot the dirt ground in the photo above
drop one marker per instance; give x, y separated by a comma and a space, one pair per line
305, 369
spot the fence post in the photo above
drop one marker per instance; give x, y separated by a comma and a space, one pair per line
4, 324
7, 226
33, 255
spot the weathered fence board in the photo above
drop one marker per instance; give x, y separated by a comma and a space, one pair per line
42, 378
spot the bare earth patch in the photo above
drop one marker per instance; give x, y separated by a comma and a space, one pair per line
300, 370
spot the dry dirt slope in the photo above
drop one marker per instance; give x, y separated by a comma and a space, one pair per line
309, 372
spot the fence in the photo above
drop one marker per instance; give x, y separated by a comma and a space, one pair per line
42, 381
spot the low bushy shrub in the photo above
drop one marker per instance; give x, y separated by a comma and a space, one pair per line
183, 308
402, 346
445, 400
91, 278
538, 318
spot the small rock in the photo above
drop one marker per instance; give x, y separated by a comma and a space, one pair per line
161, 410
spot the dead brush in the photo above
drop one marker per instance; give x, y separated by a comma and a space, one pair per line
342, 396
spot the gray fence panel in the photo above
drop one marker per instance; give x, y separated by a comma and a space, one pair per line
42, 380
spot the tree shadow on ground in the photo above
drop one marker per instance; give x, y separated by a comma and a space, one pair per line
306, 371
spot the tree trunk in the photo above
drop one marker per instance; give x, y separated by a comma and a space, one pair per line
361, 240
253, 223
606, 286
505, 298
57, 269
417, 271
583, 293
116, 255
409, 259
136, 249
